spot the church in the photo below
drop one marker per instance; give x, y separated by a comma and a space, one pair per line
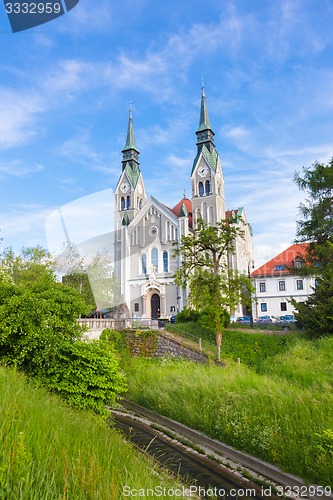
145, 230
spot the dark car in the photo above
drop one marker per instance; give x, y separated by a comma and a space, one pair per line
173, 319
243, 319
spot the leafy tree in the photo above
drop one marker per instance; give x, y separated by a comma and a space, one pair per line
76, 275
28, 266
316, 228
39, 334
214, 287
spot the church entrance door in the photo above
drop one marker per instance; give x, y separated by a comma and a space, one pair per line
155, 304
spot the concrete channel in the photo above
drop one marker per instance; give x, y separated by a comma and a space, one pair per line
208, 462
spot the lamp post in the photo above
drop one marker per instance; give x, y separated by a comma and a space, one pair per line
251, 261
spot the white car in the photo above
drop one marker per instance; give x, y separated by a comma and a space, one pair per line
267, 319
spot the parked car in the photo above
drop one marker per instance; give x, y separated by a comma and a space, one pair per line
244, 319
267, 319
287, 318
173, 319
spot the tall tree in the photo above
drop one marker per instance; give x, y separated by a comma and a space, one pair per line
214, 287
316, 228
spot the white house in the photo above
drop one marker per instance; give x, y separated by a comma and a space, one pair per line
276, 283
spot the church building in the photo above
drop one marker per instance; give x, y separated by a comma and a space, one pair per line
145, 229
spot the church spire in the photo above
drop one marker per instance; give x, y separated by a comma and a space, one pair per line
130, 151
204, 133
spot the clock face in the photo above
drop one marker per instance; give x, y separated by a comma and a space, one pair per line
203, 170
124, 187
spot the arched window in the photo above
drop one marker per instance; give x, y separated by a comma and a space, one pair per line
154, 258
168, 230
211, 215
165, 262
140, 203
204, 211
144, 263
207, 188
128, 202
201, 189
122, 203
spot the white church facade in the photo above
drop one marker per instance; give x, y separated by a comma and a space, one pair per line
146, 230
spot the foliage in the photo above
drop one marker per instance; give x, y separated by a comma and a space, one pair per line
255, 412
30, 265
51, 451
253, 349
40, 335
187, 315
204, 267
86, 374
140, 342
316, 227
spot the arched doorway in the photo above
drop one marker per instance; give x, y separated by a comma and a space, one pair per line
155, 305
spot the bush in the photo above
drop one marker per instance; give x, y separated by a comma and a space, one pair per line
86, 374
39, 334
187, 315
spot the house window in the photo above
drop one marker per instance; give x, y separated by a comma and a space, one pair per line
154, 258
201, 189
299, 285
263, 307
283, 306
136, 307
282, 286
128, 202
122, 203
144, 263
207, 188
165, 262
298, 263
262, 287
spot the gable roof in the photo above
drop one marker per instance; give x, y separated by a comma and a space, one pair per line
211, 158
279, 265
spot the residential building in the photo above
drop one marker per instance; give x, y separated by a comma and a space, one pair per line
277, 282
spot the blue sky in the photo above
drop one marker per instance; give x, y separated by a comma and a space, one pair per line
65, 89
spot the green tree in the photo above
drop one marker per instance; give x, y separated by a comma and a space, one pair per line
316, 228
214, 287
40, 335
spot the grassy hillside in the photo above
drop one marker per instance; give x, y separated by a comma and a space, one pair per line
280, 410
49, 451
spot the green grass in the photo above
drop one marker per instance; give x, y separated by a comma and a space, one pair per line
280, 410
50, 451
251, 348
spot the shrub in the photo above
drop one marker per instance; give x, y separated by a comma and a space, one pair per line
187, 315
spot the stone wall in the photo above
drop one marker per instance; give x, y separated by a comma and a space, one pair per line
168, 346
159, 344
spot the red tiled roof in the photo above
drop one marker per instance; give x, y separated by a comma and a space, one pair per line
284, 260
177, 209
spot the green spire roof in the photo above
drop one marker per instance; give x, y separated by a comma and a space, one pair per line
204, 117
133, 174
130, 140
211, 157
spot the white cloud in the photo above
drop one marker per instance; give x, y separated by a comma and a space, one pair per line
16, 168
19, 111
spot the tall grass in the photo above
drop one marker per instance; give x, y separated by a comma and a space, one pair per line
51, 452
281, 415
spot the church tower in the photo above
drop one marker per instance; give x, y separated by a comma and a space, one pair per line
206, 176
130, 192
